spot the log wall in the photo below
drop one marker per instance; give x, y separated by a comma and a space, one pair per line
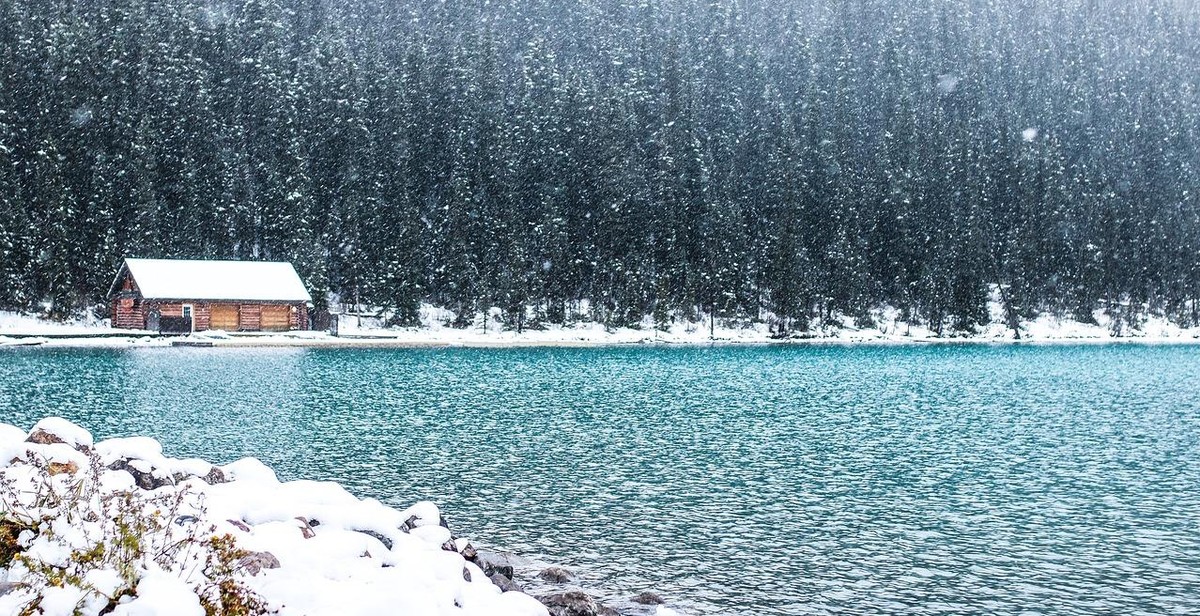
129, 311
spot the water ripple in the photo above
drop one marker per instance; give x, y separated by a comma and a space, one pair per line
764, 481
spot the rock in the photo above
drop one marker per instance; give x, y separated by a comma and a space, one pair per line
215, 476
492, 563
433, 535
7, 587
556, 574
58, 468
466, 574
254, 562
144, 480
469, 552
648, 598
52, 430
504, 583
422, 513
387, 543
305, 529
240, 525
574, 603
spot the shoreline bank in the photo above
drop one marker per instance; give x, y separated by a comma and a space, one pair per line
116, 527
371, 331
422, 340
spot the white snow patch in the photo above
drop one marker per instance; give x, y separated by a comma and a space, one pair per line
1029, 134
327, 564
159, 594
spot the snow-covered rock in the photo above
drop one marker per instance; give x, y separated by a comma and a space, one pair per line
58, 430
96, 540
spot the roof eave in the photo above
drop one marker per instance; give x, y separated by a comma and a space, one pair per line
228, 300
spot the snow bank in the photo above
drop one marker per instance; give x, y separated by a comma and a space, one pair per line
117, 527
885, 325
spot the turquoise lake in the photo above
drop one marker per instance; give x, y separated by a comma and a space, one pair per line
945, 479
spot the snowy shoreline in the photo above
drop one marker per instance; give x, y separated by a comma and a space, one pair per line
117, 527
366, 331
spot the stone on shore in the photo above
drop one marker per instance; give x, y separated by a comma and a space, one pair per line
53, 430
575, 603
557, 575
254, 562
505, 583
111, 511
648, 598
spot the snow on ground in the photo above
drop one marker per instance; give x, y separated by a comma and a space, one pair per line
116, 527
17, 329
488, 331
888, 327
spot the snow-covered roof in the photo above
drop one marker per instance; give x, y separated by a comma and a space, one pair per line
217, 280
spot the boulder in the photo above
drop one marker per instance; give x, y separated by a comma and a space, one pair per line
58, 468
254, 562
423, 513
53, 430
648, 598
575, 603
387, 543
215, 476
557, 575
145, 480
493, 562
504, 583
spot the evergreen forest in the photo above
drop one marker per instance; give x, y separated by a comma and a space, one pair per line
674, 158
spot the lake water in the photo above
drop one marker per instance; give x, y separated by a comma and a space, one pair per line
763, 480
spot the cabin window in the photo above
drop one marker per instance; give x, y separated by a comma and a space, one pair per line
187, 317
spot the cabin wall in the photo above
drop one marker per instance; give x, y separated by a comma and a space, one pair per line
128, 313
250, 316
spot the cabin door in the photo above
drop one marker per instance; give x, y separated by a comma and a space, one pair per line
276, 318
189, 317
225, 317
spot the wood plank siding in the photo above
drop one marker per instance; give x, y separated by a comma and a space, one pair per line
225, 317
251, 317
276, 318
130, 310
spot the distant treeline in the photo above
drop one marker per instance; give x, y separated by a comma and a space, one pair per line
798, 157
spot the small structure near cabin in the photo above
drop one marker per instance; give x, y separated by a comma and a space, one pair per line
176, 296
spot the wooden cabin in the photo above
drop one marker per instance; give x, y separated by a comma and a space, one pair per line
182, 296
